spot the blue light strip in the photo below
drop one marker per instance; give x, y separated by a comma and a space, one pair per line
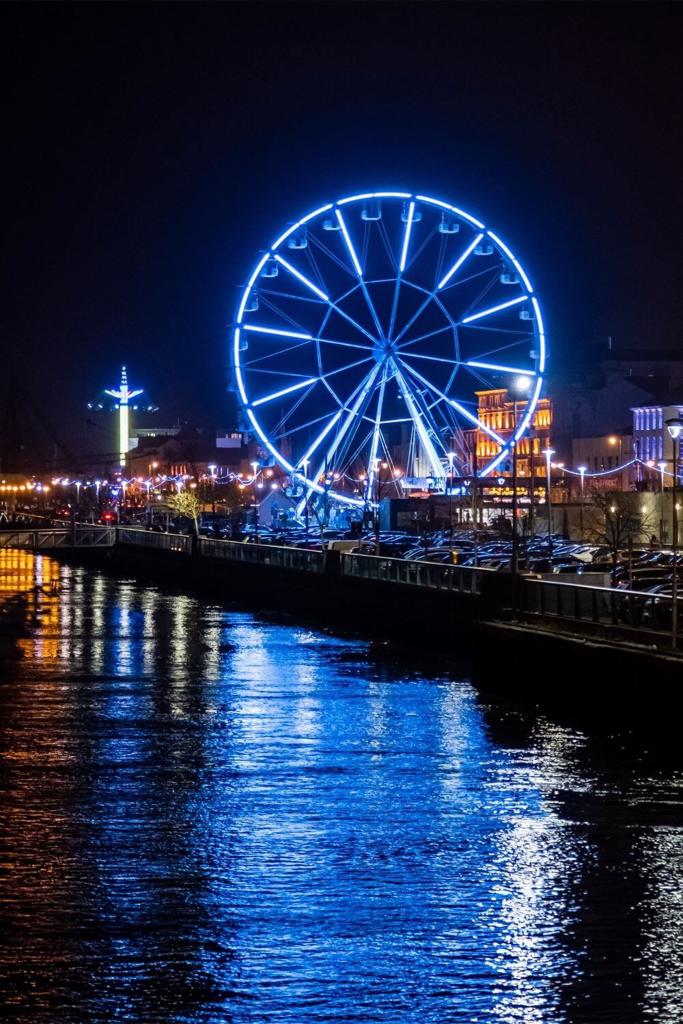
238, 368
453, 209
611, 472
494, 309
459, 262
541, 334
304, 280
406, 236
286, 391
279, 332
373, 195
503, 369
349, 245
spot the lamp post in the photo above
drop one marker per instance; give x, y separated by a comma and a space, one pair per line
519, 387
254, 467
662, 467
549, 452
675, 426
305, 465
451, 459
582, 471
378, 497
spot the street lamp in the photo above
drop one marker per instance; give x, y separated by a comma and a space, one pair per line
549, 452
451, 458
582, 471
662, 467
675, 427
379, 466
519, 388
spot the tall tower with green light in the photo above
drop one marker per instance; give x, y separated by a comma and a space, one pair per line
122, 400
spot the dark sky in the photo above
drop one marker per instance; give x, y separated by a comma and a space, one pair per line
150, 151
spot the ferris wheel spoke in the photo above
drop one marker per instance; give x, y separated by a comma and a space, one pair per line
418, 313
474, 420
285, 391
424, 337
432, 359
349, 366
352, 415
459, 262
268, 304
358, 390
359, 271
353, 322
494, 309
290, 296
250, 363
418, 420
501, 348
401, 267
304, 426
345, 344
278, 332
302, 278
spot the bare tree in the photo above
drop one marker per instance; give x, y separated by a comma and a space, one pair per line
615, 526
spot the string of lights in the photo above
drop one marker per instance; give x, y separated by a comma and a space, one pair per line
657, 467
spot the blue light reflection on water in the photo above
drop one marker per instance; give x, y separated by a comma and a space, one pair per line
211, 817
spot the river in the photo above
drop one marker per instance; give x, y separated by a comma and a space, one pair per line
208, 815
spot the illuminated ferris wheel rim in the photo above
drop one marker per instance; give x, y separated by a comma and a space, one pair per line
412, 199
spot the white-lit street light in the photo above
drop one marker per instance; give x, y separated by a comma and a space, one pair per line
451, 459
662, 467
549, 452
520, 387
582, 471
675, 427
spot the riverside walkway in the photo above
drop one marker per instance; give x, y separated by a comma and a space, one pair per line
481, 594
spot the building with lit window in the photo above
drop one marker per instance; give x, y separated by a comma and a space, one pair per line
496, 410
651, 439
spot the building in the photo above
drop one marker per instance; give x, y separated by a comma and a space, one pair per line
596, 403
498, 411
603, 454
190, 453
651, 439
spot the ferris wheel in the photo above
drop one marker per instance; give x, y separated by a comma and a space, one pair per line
365, 332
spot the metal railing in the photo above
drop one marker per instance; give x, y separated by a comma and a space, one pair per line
176, 543
637, 609
280, 557
431, 575
78, 536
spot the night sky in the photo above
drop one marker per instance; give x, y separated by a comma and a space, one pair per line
151, 151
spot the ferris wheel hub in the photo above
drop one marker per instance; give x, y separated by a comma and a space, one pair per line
384, 350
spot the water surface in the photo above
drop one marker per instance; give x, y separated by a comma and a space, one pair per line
209, 816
